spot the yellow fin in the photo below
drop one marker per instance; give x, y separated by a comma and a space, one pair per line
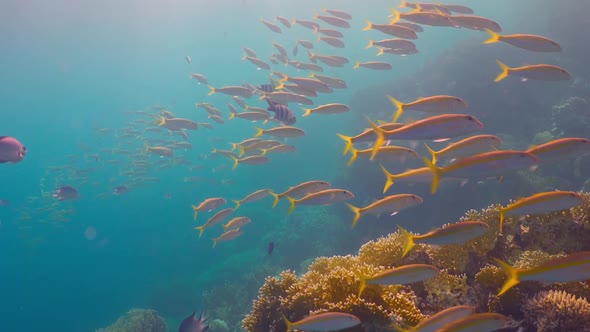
214, 243
432, 152
371, 44
307, 112
195, 212
288, 323
357, 214
436, 174
389, 179
369, 26
512, 274
259, 132
408, 240
212, 90
380, 138
293, 203
238, 203
276, 201
381, 51
201, 229
348, 141
354, 154
264, 152
241, 150
236, 162
363, 284
356, 65
502, 217
399, 107
504, 73
396, 16
494, 37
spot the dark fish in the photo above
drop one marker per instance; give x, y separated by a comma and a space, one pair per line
11, 150
268, 88
120, 190
194, 324
271, 247
4, 202
65, 193
282, 113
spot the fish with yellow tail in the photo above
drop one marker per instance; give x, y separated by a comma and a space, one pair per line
326, 109
392, 30
285, 131
368, 135
561, 149
227, 236
540, 72
209, 204
391, 205
457, 233
483, 165
433, 104
574, 267
236, 222
394, 154
440, 319
484, 322
438, 127
545, 202
324, 197
324, 322
239, 91
466, 147
401, 275
301, 190
529, 42
253, 197
219, 217
250, 160
418, 175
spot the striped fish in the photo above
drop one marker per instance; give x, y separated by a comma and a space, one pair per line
282, 113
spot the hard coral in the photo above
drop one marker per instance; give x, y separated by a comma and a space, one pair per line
556, 311
138, 320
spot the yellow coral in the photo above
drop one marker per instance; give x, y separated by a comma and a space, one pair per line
446, 290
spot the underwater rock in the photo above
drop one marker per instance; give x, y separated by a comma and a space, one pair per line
138, 320
557, 311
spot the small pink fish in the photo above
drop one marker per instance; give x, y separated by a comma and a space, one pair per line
11, 150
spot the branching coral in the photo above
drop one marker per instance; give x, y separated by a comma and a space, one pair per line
556, 311
446, 290
138, 320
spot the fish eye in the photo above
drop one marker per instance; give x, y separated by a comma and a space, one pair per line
523, 155
470, 118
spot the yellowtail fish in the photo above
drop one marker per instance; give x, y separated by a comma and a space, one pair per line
257, 62
324, 322
271, 26
209, 204
236, 222
574, 267
333, 20
160, 150
224, 153
251, 116
433, 104
488, 164
485, 322
219, 217
232, 91
473, 22
245, 143
401, 275
394, 43
301, 190
332, 82
253, 197
561, 149
327, 109
422, 17
227, 236
419, 175
177, 124
332, 41
392, 30
375, 65
457, 233
435, 322
250, 160
368, 135
284, 131
459, 9
279, 148
324, 197
425, 6
528, 42
390, 204
260, 145
541, 72
338, 13
308, 83
438, 127
544, 202
385, 153
466, 147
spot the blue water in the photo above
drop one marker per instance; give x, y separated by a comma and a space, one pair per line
72, 67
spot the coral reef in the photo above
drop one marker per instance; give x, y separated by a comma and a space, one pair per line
555, 311
138, 320
468, 277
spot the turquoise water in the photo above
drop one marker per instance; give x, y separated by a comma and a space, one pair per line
70, 68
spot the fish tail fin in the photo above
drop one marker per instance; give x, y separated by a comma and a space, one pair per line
277, 199
259, 132
316, 15
504, 73
369, 25
201, 229
354, 154
512, 274
319, 37
371, 44
214, 151
214, 243
502, 217
436, 174
238, 203
236, 162
293, 203
288, 323
147, 147
357, 213
404, 4
432, 152
161, 121
399, 107
381, 51
348, 141
212, 90
307, 112
408, 239
241, 151
363, 284
380, 138
494, 37
312, 75
231, 116
281, 85
264, 152
396, 16
356, 65
195, 212
389, 179
244, 57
